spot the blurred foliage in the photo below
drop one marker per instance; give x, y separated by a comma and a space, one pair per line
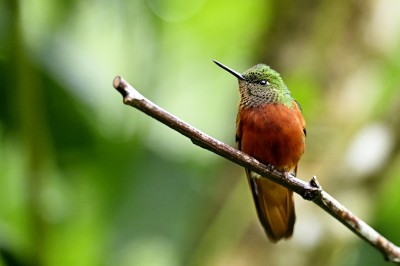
85, 180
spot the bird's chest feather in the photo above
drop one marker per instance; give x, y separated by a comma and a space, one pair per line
272, 134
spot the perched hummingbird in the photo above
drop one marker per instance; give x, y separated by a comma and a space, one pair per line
270, 128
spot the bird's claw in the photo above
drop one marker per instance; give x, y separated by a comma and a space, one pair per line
271, 168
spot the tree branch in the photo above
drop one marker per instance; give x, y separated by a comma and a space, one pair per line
308, 190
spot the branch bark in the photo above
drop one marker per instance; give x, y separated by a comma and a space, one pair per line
308, 190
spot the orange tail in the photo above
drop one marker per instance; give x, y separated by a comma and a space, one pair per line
275, 207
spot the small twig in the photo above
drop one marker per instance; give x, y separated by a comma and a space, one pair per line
308, 190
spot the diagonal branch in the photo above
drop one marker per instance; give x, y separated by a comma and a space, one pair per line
308, 190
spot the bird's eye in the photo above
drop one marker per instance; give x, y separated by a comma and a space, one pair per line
263, 82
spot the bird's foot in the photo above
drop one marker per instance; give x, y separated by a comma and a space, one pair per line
286, 174
271, 168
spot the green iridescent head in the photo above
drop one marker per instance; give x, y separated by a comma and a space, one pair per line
259, 85
264, 76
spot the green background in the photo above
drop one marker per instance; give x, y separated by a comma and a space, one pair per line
85, 180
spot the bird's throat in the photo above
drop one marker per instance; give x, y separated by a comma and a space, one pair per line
249, 100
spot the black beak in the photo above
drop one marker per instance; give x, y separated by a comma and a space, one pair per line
233, 72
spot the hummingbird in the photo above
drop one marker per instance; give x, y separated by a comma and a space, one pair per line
270, 127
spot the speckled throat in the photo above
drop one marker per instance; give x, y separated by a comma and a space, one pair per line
252, 95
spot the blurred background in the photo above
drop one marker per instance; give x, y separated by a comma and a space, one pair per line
86, 180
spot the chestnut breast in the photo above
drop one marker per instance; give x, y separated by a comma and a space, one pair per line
273, 134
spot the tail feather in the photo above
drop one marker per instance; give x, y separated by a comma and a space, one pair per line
275, 207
